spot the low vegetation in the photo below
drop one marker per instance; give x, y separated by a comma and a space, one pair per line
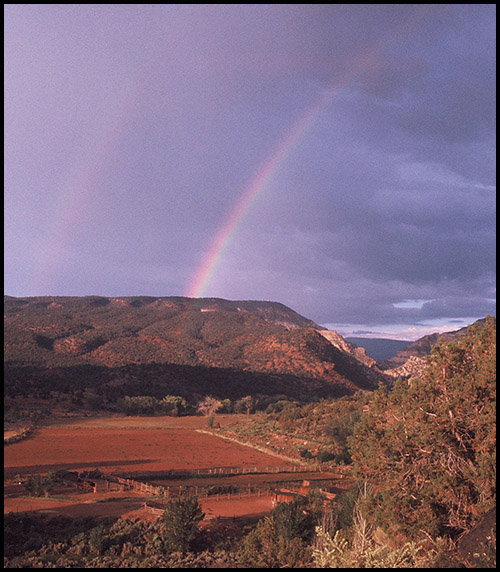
428, 447
38, 485
314, 432
173, 541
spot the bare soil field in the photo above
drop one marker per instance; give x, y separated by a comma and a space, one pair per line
76, 503
135, 444
236, 508
126, 422
117, 445
131, 505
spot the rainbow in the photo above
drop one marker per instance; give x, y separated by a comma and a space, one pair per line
74, 193
368, 60
234, 221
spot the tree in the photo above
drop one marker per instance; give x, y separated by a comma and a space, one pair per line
282, 538
95, 402
295, 519
174, 404
245, 404
181, 518
38, 485
209, 406
97, 539
264, 548
138, 404
428, 447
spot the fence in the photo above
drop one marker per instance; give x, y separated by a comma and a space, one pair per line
129, 484
179, 490
126, 482
207, 491
131, 480
157, 508
218, 471
201, 491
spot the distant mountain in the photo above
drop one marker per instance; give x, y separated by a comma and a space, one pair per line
379, 348
240, 346
412, 358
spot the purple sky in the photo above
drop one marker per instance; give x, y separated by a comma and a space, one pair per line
132, 132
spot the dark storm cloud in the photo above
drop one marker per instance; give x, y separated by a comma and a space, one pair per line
132, 130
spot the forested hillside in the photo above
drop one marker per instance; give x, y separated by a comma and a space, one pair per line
113, 347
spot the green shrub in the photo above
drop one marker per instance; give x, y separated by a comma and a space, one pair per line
305, 454
325, 456
282, 539
38, 486
221, 490
181, 519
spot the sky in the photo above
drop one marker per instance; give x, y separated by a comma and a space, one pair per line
336, 158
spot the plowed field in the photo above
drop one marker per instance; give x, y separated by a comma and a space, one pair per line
128, 444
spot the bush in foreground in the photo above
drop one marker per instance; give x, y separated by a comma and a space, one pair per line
428, 447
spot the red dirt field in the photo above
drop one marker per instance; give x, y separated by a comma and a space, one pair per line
77, 506
134, 508
251, 506
127, 444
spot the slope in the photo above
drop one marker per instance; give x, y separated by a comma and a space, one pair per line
175, 339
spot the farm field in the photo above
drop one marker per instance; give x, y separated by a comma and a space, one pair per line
118, 445
130, 505
138, 445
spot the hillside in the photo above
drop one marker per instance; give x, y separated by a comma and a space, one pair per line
227, 348
421, 348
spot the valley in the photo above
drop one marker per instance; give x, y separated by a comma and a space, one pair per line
118, 411
176, 455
